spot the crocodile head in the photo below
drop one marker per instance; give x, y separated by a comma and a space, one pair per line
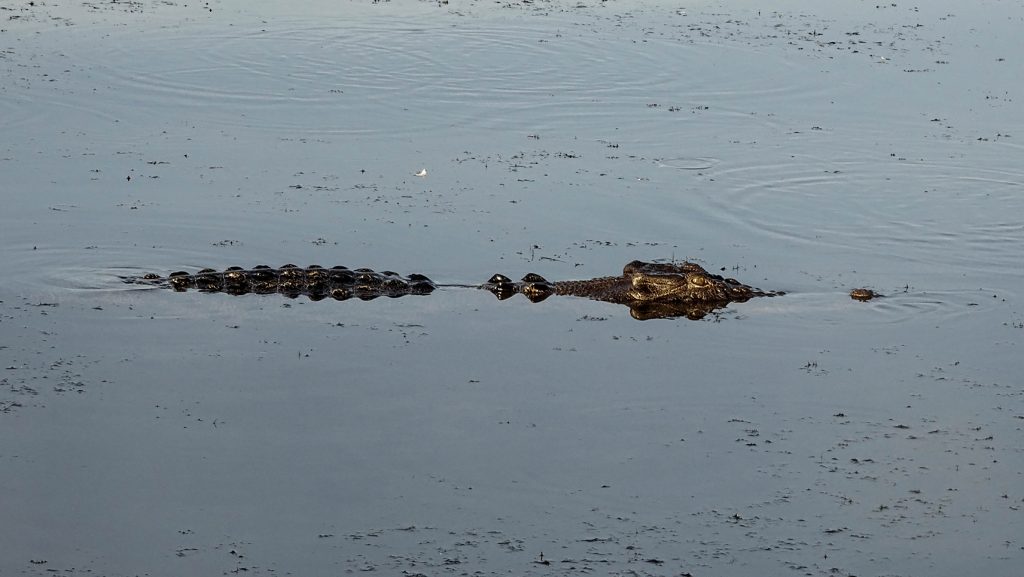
685, 282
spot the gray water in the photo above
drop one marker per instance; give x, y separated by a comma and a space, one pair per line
805, 148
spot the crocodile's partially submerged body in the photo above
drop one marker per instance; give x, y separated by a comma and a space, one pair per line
315, 282
650, 290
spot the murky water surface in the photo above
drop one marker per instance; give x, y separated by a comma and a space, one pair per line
807, 148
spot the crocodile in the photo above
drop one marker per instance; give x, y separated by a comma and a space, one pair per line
650, 290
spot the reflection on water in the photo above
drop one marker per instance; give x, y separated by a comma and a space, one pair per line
572, 132
808, 149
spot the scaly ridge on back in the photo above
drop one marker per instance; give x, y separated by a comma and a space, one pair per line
314, 281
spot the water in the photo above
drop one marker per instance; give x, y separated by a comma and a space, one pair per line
806, 149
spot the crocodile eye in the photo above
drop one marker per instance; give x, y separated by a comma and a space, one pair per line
698, 280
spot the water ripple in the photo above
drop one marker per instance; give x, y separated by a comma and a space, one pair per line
929, 213
315, 79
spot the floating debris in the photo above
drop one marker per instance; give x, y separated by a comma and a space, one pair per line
863, 294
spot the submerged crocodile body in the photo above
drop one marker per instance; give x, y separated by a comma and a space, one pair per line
650, 290
313, 281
